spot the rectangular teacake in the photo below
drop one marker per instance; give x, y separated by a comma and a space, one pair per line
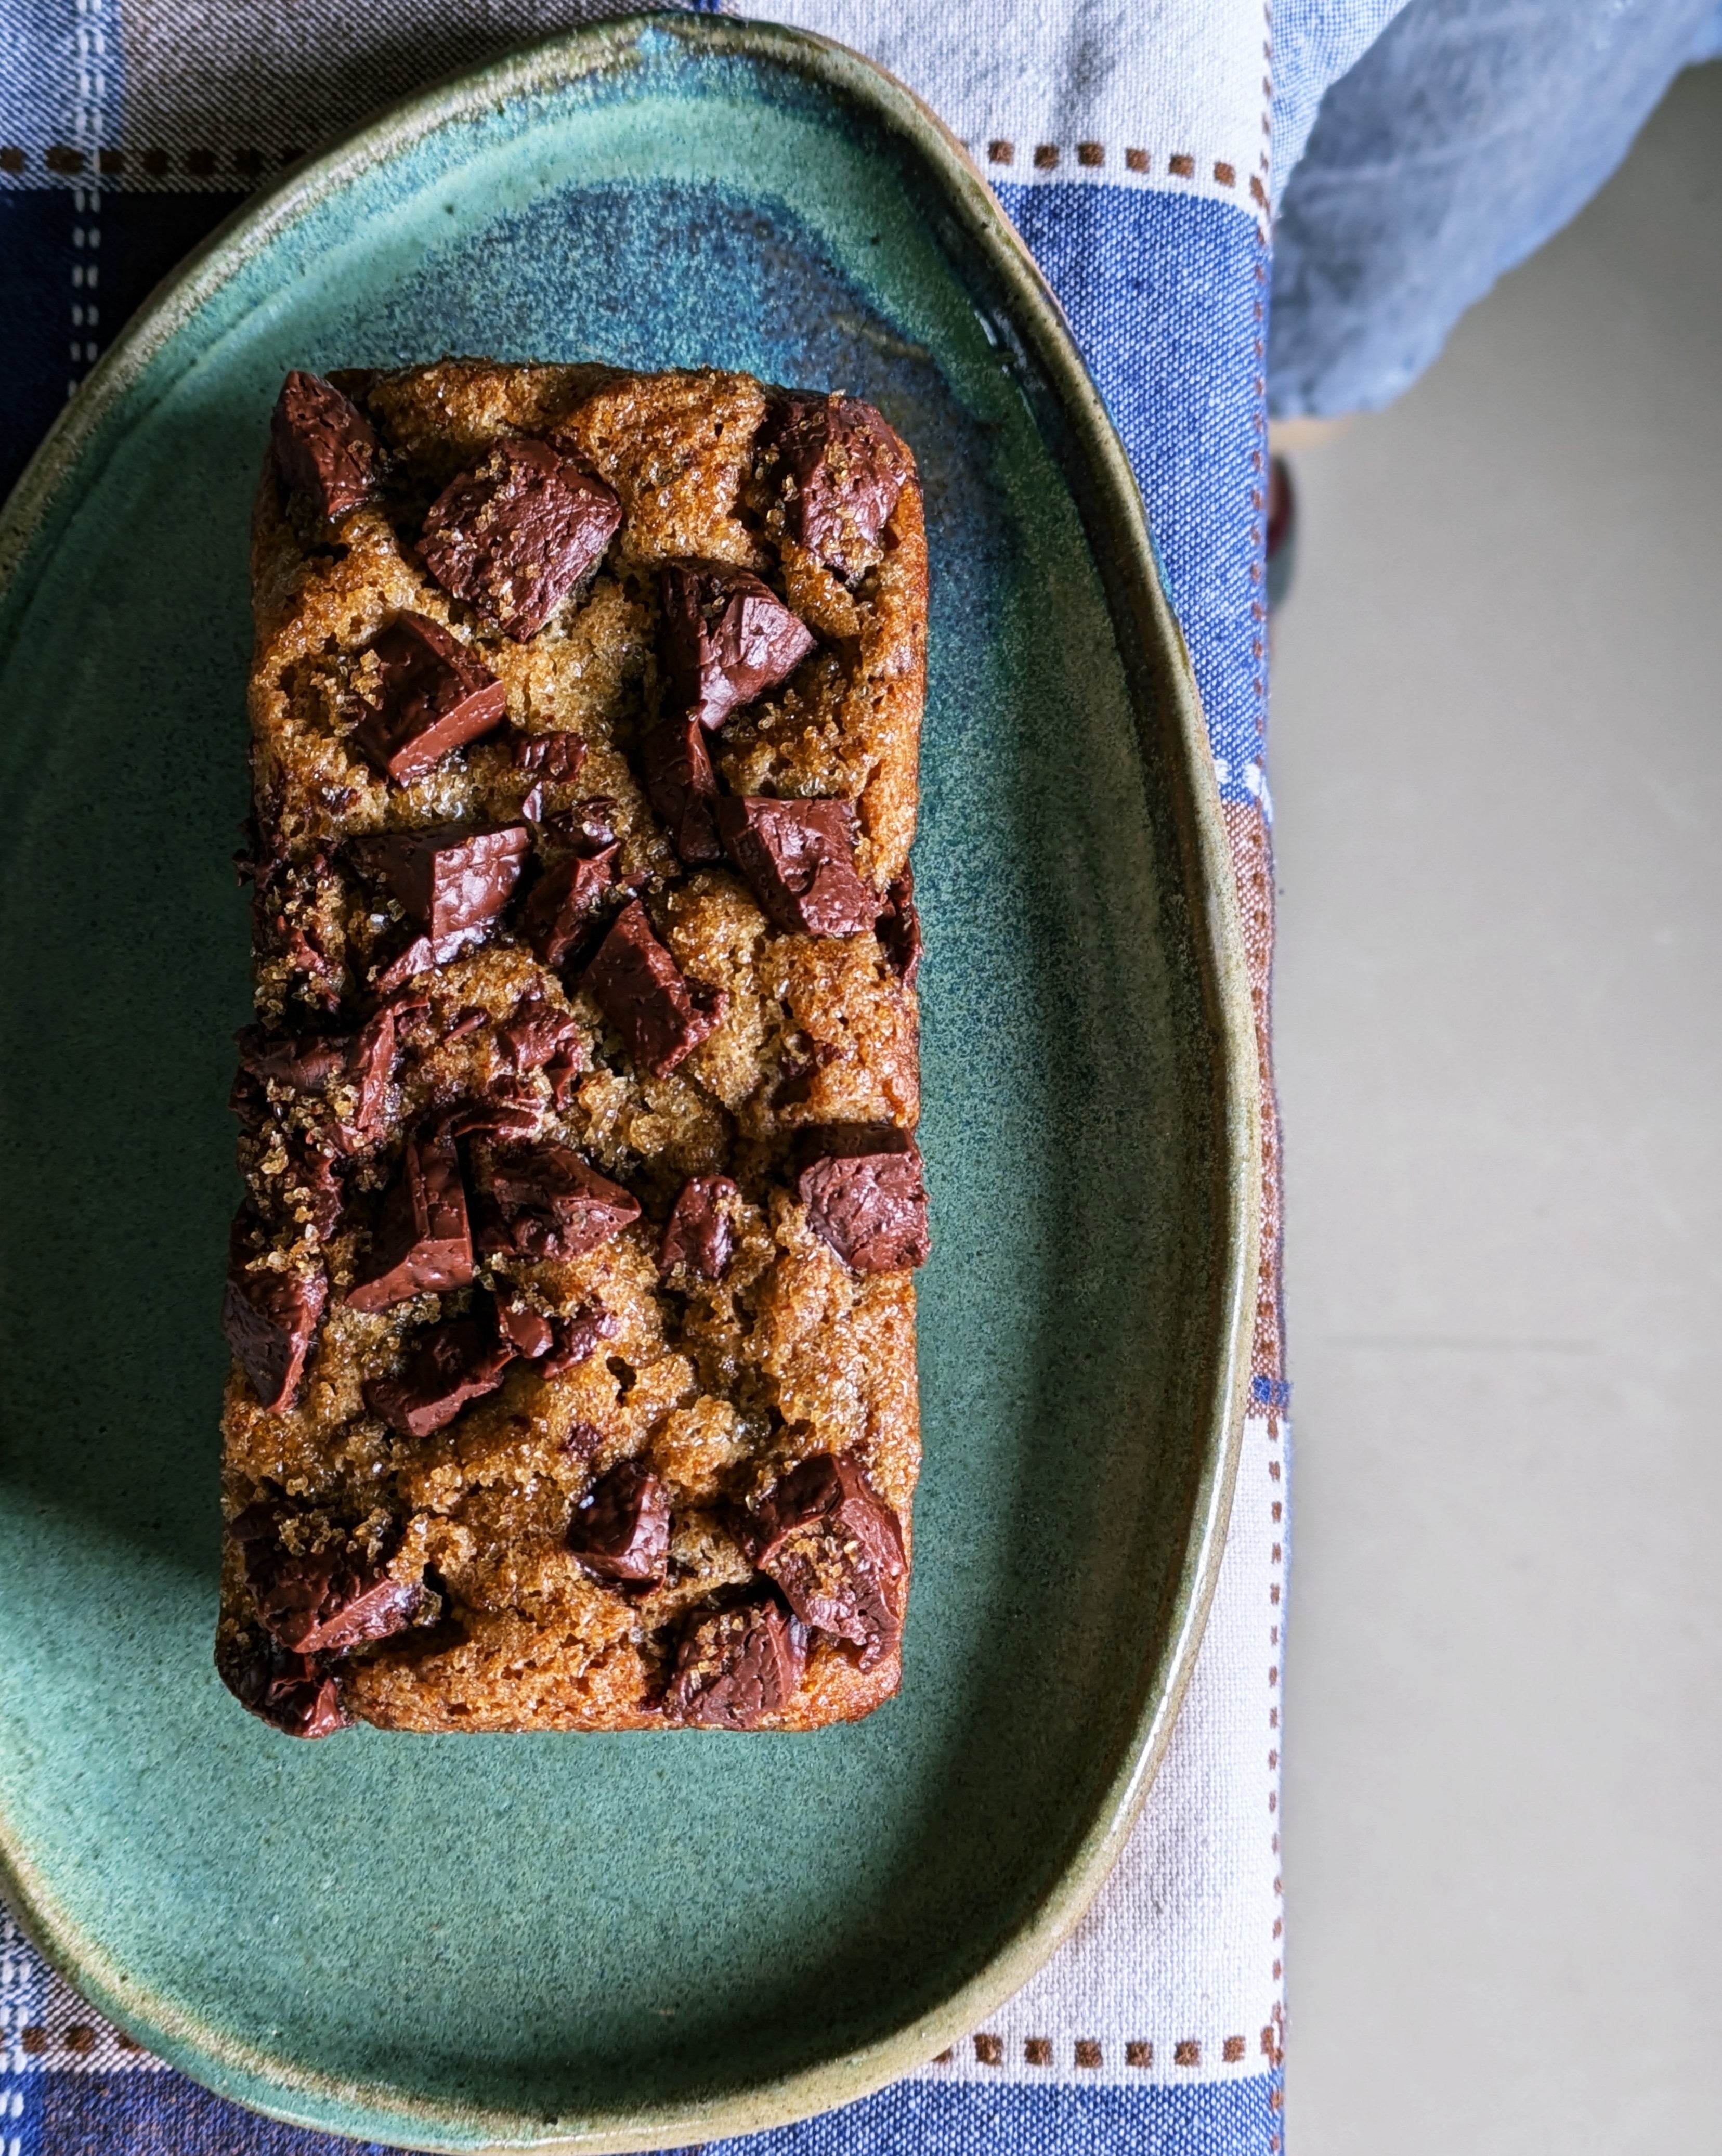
571, 1299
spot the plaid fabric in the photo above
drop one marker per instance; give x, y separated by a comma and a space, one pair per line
1131, 145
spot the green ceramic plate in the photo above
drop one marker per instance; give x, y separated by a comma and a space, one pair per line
471, 1941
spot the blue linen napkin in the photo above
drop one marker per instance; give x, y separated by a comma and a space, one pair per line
1132, 145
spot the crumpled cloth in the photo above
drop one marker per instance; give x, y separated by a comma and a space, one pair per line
1452, 137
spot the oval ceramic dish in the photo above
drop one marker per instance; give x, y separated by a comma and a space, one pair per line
619, 1942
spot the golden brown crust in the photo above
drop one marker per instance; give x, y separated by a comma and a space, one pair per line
718, 1386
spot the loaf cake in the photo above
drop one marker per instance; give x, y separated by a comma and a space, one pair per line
572, 1298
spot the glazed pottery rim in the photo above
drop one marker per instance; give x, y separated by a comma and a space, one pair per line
447, 2122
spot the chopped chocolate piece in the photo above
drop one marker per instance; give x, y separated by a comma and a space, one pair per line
551, 756
433, 694
420, 956
450, 1364
583, 1440
727, 637
845, 468
536, 1034
295, 1692
683, 787
453, 878
312, 1185
371, 1062
563, 1070
324, 445
560, 908
527, 1331
796, 1086
699, 1233
735, 1668
835, 1549
270, 1319
639, 988
311, 1063
325, 1596
578, 1337
306, 1061
249, 1101
588, 827
423, 1239
899, 929
800, 858
515, 536
543, 1201
622, 1531
871, 1206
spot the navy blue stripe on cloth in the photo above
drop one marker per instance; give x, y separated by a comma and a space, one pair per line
1167, 297
142, 238
151, 2114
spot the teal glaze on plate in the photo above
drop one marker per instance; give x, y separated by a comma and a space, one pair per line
608, 1942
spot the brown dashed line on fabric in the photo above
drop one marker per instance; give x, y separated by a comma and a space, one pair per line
1188, 2053
989, 2049
1002, 153
1046, 156
1139, 2054
1136, 160
945, 2058
1088, 2052
1227, 175
1181, 166
1038, 2051
33, 2039
66, 163
1090, 153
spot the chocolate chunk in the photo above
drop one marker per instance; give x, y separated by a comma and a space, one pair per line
737, 1666
683, 787
800, 858
431, 694
420, 956
295, 1692
639, 988
515, 536
543, 1201
306, 1061
559, 910
527, 1331
588, 827
551, 756
579, 1337
315, 1588
324, 445
834, 1547
727, 637
270, 1319
699, 1233
311, 1063
899, 929
451, 880
450, 1365
537, 1035
423, 1239
868, 1202
312, 1184
249, 1101
622, 1531
844, 468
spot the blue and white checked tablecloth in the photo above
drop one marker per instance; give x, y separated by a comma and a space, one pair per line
1131, 141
